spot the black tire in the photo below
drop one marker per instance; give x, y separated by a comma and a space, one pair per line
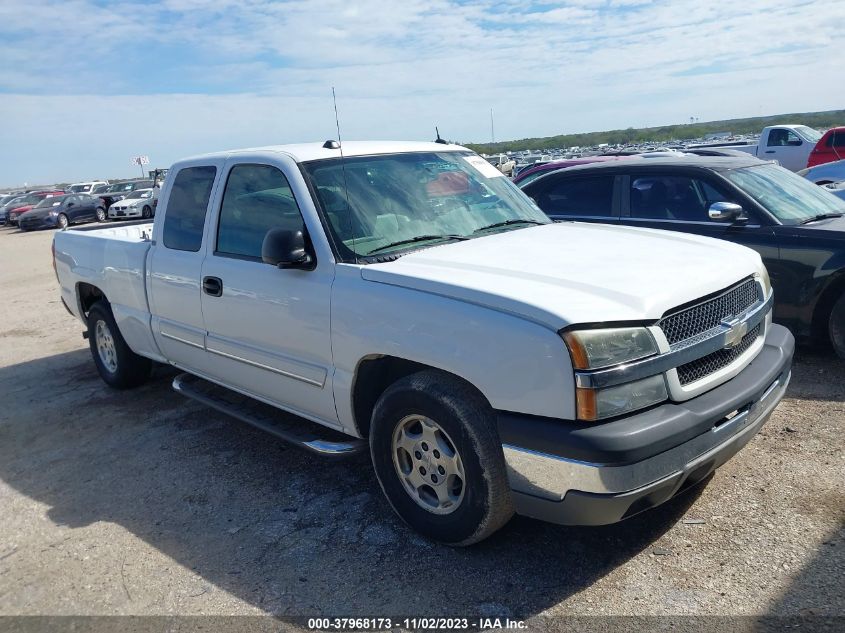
836, 327
101, 214
129, 369
469, 422
146, 212
62, 221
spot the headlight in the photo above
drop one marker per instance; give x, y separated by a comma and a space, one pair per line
598, 349
596, 404
764, 279
594, 349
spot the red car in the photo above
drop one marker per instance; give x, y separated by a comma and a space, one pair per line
29, 201
830, 147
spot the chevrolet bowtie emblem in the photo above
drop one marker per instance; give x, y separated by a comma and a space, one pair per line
736, 331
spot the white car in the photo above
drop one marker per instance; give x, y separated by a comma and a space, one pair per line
85, 187
407, 300
138, 204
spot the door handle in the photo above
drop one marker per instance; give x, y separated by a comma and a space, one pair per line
212, 286
770, 151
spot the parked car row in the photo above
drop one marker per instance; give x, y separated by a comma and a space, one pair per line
79, 202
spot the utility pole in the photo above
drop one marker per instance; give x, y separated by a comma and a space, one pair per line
492, 129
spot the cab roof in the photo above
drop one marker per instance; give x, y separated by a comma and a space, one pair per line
304, 152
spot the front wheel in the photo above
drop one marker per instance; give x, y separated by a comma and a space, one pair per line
146, 212
439, 460
63, 221
836, 327
101, 214
117, 365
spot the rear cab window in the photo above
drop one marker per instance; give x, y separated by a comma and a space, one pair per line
187, 206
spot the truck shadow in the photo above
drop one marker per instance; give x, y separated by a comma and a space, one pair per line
265, 522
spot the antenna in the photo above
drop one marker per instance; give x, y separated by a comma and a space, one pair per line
343, 169
438, 139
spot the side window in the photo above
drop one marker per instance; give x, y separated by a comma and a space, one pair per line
668, 198
257, 198
589, 197
186, 208
837, 139
793, 139
777, 137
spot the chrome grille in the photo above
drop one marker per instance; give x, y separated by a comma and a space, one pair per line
697, 319
706, 365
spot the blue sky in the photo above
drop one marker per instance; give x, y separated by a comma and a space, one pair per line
85, 84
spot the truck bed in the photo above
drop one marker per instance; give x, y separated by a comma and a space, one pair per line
113, 259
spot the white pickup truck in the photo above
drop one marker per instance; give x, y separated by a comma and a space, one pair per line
410, 300
790, 145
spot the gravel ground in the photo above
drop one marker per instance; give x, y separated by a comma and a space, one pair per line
145, 503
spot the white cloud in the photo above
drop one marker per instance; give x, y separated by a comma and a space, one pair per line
78, 73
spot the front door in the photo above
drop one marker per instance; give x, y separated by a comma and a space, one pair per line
679, 202
786, 147
268, 328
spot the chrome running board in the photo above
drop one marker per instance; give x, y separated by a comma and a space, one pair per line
286, 426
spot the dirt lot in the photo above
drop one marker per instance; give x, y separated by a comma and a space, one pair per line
144, 503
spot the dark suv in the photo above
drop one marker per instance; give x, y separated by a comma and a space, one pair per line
796, 226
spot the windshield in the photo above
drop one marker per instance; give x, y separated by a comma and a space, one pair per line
52, 201
138, 194
401, 197
78, 188
14, 202
809, 133
789, 197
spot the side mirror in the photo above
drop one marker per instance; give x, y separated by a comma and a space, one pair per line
285, 248
725, 212
70, 204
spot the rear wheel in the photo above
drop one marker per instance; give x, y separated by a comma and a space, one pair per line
836, 327
101, 214
117, 365
63, 221
439, 460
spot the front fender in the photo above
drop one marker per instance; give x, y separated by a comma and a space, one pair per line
517, 365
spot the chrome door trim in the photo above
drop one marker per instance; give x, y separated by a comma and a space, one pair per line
181, 340
275, 370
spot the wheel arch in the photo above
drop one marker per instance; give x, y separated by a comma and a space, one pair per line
375, 373
821, 313
87, 295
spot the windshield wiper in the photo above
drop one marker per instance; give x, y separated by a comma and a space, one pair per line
507, 223
821, 216
418, 238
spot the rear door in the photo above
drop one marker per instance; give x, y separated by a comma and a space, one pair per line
268, 328
86, 208
175, 266
587, 197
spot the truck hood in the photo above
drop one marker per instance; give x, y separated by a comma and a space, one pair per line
567, 273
